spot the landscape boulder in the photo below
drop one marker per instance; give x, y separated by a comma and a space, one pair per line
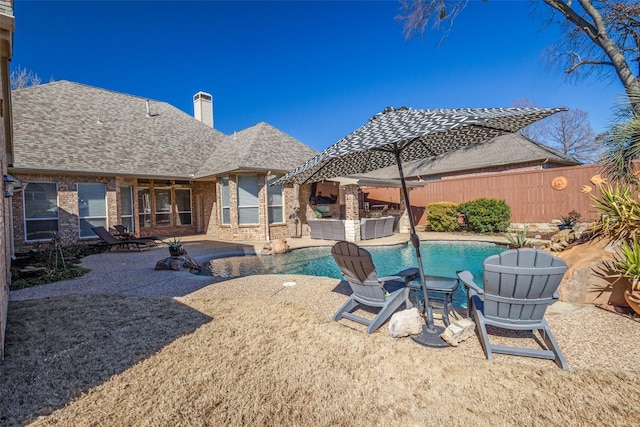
405, 323
279, 246
178, 263
458, 331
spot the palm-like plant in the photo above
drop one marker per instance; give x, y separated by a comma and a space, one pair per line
627, 262
622, 141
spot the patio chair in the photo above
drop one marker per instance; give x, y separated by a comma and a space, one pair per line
123, 233
110, 240
519, 285
387, 293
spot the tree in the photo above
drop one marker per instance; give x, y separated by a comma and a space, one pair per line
569, 132
599, 36
21, 78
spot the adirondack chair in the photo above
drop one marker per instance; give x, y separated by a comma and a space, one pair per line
519, 285
387, 293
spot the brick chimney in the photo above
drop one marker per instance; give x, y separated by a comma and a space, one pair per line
203, 108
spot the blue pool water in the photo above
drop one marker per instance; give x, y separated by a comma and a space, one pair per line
438, 258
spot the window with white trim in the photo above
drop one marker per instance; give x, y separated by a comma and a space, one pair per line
183, 206
92, 207
40, 210
126, 207
225, 202
144, 207
162, 198
248, 199
275, 202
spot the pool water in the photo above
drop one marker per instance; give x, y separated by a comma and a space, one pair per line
438, 259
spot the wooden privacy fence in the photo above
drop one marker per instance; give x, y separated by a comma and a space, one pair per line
529, 194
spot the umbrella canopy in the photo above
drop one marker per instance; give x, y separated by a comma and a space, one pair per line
399, 135
413, 134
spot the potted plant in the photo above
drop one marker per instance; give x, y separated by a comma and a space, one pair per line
567, 222
175, 246
518, 240
627, 265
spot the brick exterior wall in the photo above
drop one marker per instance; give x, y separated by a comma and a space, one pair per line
6, 48
205, 212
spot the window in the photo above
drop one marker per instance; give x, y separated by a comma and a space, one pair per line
162, 206
248, 199
144, 207
276, 202
92, 207
183, 206
126, 207
225, 210
40, 210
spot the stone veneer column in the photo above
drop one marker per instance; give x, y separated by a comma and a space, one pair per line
352, 213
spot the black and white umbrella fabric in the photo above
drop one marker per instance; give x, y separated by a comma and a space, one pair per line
403, 134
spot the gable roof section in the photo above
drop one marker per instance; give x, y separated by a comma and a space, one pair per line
500, 151
259, 147
66, 127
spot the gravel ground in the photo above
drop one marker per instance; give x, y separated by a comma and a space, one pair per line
590, 338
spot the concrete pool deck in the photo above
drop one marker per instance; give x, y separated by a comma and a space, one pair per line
133, 272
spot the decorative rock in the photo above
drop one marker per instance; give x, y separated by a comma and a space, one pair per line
267, 249
279, 246
562, 239
178, 263
191, 263
405, 323
170, 263
458, 331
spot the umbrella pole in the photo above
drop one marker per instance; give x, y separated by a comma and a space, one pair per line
430, 335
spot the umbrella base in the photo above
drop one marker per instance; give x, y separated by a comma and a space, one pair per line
429, 338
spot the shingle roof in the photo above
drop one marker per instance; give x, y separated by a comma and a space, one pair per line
259, 147
502, 150
71, 127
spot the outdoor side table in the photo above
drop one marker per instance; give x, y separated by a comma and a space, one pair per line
440, 292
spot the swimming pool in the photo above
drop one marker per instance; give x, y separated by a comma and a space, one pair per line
438, 259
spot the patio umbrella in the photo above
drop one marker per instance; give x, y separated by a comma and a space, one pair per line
399, 135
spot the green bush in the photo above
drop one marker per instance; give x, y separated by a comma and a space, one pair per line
486, 215
442, 216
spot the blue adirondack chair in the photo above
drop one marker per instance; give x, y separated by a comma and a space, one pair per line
387, 293
519, 285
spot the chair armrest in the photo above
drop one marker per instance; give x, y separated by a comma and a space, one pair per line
389, 279
408, 274
467, 280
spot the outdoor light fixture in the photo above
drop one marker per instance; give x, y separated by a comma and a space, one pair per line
10, 184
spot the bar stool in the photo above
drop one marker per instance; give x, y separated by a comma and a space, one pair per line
440, 292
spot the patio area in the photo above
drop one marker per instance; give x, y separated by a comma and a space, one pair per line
269, 354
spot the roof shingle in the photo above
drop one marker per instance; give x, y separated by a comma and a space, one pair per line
74, 128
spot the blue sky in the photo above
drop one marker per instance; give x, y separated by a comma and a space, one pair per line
315, 70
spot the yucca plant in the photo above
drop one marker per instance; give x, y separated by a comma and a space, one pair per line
627, 262
619, 213
519, 239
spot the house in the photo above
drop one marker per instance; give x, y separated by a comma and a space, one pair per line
474, 172
508, 152
90, 157
7, 25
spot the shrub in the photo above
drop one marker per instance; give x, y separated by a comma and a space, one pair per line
442, 216
486, 215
